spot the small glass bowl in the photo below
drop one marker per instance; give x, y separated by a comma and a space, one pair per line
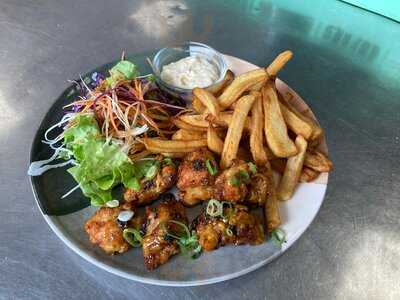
172, 54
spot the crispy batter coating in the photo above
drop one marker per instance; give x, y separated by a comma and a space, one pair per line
151, 189
240, 227
194, 180
104, 230
157, 246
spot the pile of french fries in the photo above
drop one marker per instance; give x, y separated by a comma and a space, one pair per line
246, 117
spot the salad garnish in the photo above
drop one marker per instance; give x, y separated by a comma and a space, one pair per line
100, 136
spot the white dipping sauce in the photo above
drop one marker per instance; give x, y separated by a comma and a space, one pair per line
190, 72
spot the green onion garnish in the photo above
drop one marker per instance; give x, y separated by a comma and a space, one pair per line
188, 242
278, 237
234, 181
168, 161
153, 170
132, 236
210, 167
173, 234
214, 208
224, 215
229, 232
252, 167
243, 175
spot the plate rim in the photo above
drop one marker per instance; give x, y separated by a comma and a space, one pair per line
60, 233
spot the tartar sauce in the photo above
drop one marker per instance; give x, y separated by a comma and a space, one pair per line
190, 72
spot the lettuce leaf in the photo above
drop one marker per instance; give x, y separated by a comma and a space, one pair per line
125, 70
101, 165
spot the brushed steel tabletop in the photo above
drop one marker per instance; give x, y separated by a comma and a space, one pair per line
346, 66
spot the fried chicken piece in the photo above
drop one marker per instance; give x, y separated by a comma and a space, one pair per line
260, 187
105, 230
231, 184
157, 246
151, 189
239, 228
194, 180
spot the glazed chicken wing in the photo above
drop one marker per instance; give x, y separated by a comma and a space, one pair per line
231, 184
151, 189
195, 182
157, 246
238, 228
105, 230
260, 187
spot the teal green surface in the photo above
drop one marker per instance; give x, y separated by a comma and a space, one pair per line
367, 40
387, 8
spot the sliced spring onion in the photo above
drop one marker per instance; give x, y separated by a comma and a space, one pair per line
173, 234
132, 236
244, 176
214, 208
278, 236
125, 215
234, 181
168, 161
112, 203
252, 167
212, 169
230, 210
153, 170
228, 232
188, 242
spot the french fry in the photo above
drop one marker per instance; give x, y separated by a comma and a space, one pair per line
257, 87
271, 210
197, 122
174, 154
216, 89
139, 155
317, 161
271, 206
198, 106
178, 122
186, 135
274, 125
256, 132
308, 174
279, 62
225, 120
234, 134
299, 123
252, 78
239, 85
269, 153
214, 143
157, 145
208, 100
292, 172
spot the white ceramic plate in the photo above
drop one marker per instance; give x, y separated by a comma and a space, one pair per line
223, 264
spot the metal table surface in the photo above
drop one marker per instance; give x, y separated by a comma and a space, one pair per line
346, 66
